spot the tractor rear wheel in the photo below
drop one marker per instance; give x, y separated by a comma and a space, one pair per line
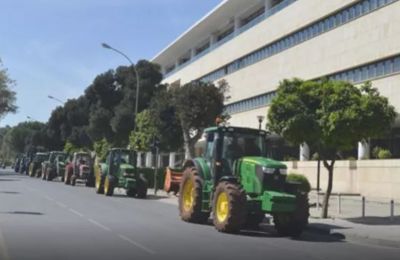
109, 184
293, 224
99, 185
190, 197
141, 187
229, 207
73, 180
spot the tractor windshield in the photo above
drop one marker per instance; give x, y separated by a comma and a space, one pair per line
237, 145
125, 157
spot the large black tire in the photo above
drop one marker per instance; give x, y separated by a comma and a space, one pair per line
109, 185
90, 181
293, 224
73, 180
131, 193
190, 207
254, 219
141, 187
67, 176
99, 185
235, 207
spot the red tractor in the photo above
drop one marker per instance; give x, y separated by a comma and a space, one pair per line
80, 168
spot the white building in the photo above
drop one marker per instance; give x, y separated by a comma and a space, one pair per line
254, 44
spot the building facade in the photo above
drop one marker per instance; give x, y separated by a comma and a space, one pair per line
254, 44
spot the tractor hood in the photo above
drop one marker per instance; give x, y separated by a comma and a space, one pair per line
264, 162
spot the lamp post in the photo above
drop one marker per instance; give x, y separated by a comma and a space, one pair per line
260, 120
106, 46
30, 118
56, 99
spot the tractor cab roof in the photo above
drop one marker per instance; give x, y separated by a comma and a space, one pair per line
243, 130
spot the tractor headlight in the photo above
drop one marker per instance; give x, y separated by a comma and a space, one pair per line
268, 170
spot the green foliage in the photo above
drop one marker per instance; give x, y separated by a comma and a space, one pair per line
197, 106
305, 185
70, 148
7, 96
381, 153
146, 129
330, 116
101, 147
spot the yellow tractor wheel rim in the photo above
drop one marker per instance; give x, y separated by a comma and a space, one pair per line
106, 185
97, 182
222, 208
188, 195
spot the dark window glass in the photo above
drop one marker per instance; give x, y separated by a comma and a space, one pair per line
396, 65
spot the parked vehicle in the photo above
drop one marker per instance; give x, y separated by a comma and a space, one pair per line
235, 182
61, 161
80, 168
119, 171
49, 167
35, 167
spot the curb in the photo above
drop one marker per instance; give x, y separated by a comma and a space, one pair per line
353, 237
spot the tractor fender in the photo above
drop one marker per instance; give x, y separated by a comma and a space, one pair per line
231, 179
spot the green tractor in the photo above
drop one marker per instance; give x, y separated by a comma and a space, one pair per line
238, 184
35, 166
49, 167
119, 170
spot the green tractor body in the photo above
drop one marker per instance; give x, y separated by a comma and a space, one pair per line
235, 181
36, 164
119, 171
49, 167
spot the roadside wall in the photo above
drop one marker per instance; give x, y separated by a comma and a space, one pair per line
370, 178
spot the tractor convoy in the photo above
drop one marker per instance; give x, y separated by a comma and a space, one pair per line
232, 182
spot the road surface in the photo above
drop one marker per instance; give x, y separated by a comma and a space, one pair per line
51, 221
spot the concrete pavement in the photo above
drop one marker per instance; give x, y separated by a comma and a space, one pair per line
49, 220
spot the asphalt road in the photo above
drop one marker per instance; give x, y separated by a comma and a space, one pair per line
51, 221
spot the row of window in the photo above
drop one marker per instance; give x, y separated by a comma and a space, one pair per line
255, 20
315, 29
355, 75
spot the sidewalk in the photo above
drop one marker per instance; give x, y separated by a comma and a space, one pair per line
375, 228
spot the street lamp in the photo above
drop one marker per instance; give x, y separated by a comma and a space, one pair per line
260, 120
56, 99
30, 118
106, 46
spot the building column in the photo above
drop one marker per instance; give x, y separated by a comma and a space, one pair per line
139, 159
304, 152
363, 150
149, 157
172, 160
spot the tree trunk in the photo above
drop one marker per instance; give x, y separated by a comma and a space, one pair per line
325, 206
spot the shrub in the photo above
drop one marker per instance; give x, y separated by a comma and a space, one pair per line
384, 154
305, 185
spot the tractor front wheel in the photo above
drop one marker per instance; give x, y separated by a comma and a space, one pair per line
141, 187
293, 224
99, 184
190, 197
109, 184
229, 207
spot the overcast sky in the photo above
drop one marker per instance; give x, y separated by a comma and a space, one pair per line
52, 47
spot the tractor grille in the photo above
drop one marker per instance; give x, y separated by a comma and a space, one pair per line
274, 182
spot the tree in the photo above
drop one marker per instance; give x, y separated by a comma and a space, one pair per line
330, 116
197, 105
146, 129
7, 96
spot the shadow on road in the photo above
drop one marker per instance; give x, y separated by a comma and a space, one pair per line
9, 192
9, 179
382, 221
23, 213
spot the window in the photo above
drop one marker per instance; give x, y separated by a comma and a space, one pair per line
396, 65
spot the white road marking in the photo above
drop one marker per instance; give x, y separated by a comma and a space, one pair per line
99, 224
137, 244
76, 212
